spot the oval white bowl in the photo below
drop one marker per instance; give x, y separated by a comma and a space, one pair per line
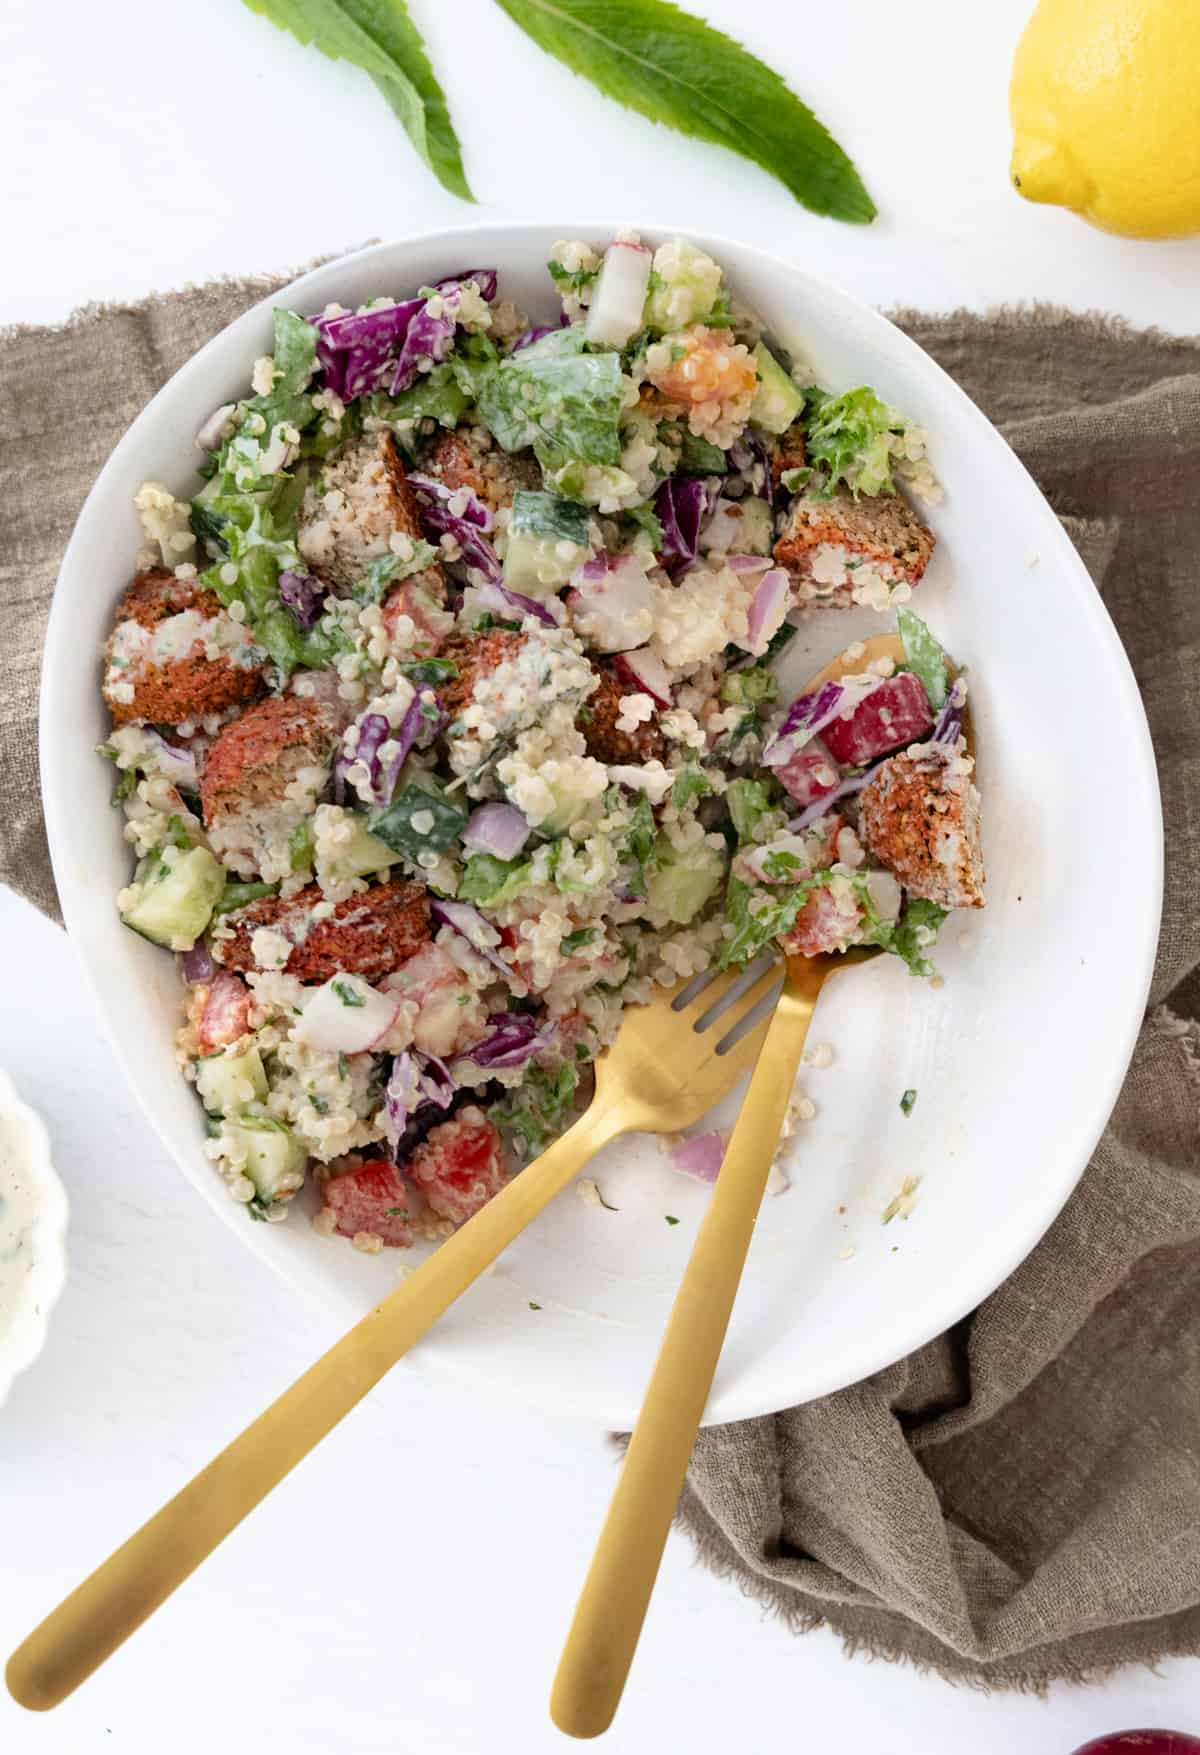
1017, 1060
43, 1240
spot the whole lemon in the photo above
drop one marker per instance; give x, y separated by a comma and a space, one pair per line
1105, 107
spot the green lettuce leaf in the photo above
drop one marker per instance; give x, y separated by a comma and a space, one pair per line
677, 70
849, 440
566, 403
380, 37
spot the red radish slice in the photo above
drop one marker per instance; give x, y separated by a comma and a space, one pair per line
645, 671
615, 313
345, 1016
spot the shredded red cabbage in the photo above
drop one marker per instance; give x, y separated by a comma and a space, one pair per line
430, 335
681, 507
357, 349
374, 731
809, 714
304, 596
474, 510
948, 729
418, 1085
468, 921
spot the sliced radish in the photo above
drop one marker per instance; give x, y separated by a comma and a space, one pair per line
646, 671
615, 313
616, 608
346, 1016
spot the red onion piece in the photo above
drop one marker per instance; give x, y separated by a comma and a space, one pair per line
767, 609
198, 965
500, 599
498, 829
699, 1156
747, 563
481, 937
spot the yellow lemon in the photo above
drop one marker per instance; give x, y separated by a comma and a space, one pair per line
1105, 107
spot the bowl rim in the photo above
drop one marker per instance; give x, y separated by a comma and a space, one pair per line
21, 1343
939, 1312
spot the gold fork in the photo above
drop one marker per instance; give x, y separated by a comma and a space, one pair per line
616, 1593
663, 1073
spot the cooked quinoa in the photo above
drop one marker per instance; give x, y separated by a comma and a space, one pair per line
446, 724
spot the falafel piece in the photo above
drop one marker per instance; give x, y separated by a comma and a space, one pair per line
349, 518
264, 774
841, 550
370, 933
467, 457
919, 816
175, 654
598, 723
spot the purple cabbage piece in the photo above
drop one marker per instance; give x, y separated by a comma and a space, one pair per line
356, 350
809, 714
474, 928
374, 731
512, 1039
431, 337
845, 788
419, 1086
477, 551
948, 729
532, 335
495, 596
304, 596
474, 510
681, 507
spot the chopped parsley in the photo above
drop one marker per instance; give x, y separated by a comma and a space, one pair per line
908, 1101
670, 1218
347, 994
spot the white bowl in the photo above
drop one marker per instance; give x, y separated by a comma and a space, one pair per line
1017, 1060
33, 1230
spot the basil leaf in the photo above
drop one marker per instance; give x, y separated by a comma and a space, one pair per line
395, 824
675, 69
924, 656
380, 37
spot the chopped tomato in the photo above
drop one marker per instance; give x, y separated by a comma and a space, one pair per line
893, 715
811, 773
828, 921
376, 1199
459, 1166
226, 1013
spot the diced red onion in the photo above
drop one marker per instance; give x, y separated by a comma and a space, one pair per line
700, 1156
468, 921
647, 672
593, 570
767, 609
498, 829
198, 965
809, 714
747, 563
304, 596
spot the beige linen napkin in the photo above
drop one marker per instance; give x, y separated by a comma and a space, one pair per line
1020, 1500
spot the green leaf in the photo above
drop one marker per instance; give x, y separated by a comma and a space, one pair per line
908, 1101
380, 37
575, 941
492, 881
914, 932
236, 895
537, 1109
924, 656
563, 402
675, 69
850, 438
690, 782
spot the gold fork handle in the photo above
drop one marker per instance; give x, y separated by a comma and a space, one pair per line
110, 1605
612, 1606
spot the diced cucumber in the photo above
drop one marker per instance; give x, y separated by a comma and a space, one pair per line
171, 904
275, 1158
777, 401
362, 854
227, 1082
547, 539
683, 882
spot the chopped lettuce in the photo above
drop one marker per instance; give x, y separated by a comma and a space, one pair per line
537, 1110
565, 403
924, 656
690, 782
491, 881
756, 686
849, 439
752, 809
914, 932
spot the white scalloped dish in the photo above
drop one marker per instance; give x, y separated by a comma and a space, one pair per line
33, 1227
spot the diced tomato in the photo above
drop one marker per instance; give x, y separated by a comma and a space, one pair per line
459, 1166
226, 1014
893, 715
811, 773
374, 1198
828, 921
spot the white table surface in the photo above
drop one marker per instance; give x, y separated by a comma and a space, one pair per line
407, 1589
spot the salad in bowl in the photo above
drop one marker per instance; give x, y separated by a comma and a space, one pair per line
446, 722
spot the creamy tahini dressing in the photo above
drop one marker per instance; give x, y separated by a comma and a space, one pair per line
18, 1209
